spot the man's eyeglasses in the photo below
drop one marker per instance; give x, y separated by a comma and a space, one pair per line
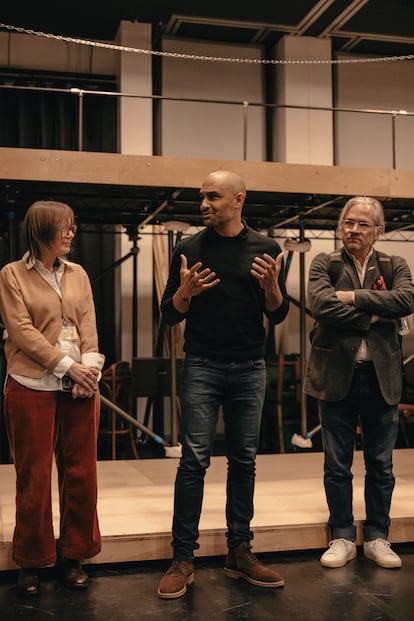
65, 230
348, 225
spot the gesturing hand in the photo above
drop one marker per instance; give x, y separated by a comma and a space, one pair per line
267, 269
195, 280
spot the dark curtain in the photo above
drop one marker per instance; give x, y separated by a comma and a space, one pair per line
100, 123
50, 120
93, 248
33, 119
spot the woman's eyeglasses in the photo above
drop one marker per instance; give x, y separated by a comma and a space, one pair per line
65, 230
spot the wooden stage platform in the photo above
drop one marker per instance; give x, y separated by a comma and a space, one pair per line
136, 498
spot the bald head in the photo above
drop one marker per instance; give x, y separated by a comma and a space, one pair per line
228, 180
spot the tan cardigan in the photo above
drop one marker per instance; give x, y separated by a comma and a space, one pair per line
33, 313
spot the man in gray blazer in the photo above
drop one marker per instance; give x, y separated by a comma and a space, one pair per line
355, 371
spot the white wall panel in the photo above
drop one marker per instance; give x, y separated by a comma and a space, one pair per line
210, 129
35, 53
367, 140
303, 136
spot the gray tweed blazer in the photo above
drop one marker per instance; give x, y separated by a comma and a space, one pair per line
340, 328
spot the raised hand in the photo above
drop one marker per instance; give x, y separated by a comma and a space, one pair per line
196, 279
267, 269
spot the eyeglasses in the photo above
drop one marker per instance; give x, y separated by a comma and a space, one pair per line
364, 227
65, 230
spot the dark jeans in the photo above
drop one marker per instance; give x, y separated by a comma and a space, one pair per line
363, 405
239, 387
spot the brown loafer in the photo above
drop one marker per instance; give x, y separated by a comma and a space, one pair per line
28, 581
75, 577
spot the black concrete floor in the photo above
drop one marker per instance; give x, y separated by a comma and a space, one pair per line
360, 591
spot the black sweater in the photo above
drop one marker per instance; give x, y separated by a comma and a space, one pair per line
226, 321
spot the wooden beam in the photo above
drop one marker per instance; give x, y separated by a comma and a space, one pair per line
177, 172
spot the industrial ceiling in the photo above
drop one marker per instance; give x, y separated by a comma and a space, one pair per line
384, 27
373, 27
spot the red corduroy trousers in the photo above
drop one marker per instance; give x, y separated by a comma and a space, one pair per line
41, 425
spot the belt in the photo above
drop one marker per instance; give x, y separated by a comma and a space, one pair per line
359, 364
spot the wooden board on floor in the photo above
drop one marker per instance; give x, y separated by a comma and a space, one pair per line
136, 500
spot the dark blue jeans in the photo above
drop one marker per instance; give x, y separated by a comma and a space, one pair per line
239, 388
363, 405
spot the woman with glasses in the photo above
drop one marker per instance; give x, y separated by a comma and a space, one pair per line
51, 397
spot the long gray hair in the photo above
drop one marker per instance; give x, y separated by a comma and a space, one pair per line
377, 208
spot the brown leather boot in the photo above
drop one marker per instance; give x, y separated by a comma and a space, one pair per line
242, 563
175, 580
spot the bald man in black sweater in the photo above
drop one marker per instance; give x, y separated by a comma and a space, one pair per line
223, 281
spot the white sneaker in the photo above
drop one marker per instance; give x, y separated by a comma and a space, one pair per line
379, 551
338, 554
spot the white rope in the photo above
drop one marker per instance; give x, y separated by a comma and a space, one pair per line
222, 59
